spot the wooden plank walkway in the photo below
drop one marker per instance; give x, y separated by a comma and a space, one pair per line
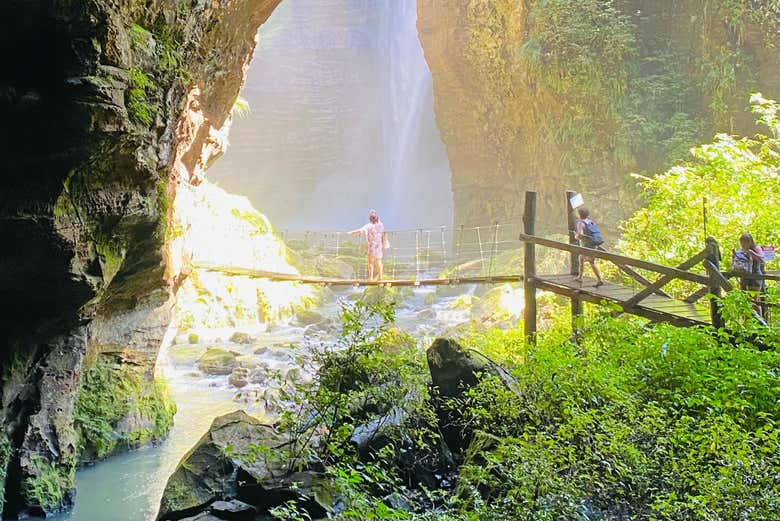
654, 307
328, 281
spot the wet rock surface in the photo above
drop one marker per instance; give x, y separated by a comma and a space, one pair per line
216, 361
220, 478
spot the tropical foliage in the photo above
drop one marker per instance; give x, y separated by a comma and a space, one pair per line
737, 179
632, 422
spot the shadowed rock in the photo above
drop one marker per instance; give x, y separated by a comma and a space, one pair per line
241, 466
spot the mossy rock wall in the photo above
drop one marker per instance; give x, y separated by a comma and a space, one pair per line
117, 409
576, 94
111, 108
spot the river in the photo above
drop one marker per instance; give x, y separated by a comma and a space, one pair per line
128, 487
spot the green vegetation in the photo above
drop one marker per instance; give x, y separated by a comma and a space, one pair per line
241, 108
5, 458
740, 178
139, 35
138, 105
658, 423
634, 422
51, 486
113, 392
580, 51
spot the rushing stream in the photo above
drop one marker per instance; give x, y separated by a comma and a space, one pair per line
128, 487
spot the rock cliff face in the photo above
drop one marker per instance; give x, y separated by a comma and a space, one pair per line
111, 110
532, 94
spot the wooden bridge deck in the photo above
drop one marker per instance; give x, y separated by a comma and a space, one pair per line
330, 281
654, 307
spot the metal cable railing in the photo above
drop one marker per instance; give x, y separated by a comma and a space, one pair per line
414, 254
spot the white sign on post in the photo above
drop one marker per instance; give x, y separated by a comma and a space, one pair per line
576, 201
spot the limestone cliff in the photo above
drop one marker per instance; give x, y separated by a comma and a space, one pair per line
110, 107
543, 95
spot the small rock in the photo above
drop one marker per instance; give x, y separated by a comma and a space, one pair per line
233, 510
240, 338
307, 317
239, 377
193, 338
217, 361
247, 362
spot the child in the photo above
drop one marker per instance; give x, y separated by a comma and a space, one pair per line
590, 237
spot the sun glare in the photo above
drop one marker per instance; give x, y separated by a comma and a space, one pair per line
219, 229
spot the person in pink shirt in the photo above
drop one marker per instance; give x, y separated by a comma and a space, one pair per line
374, 233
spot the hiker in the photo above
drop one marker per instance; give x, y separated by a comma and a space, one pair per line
750, 259
589, 236
374, 233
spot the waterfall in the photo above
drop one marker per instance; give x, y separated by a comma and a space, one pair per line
342, 120
416, 166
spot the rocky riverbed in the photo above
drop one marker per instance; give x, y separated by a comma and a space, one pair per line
214, 371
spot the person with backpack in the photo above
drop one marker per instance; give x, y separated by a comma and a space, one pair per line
589, 235
750, 259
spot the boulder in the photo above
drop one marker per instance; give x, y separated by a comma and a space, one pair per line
239, 377
223, 475
185, 354
203, 516
240, 338
307, 317
454, 370
377, 433
217, 361
379, 294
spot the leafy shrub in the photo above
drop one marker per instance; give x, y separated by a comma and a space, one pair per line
740, 177
646, 423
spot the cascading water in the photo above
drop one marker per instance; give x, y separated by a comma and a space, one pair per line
342, 120
416, 170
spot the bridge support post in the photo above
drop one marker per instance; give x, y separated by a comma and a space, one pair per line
529, 269
713, 256
574, 259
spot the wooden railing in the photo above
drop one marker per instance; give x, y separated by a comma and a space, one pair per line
712, 282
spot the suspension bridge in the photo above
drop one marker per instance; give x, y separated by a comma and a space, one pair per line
507, 253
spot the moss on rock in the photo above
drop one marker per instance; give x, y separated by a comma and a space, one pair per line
117, 409
5, 457
217, 361
51, 486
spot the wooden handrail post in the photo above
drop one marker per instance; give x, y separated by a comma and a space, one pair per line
713, 257
574, 259
529, 268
